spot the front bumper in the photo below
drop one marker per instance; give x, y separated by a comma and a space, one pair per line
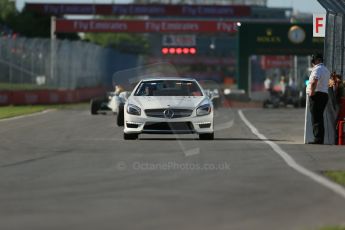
152, 125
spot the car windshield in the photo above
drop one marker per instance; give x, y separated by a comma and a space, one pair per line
168, 88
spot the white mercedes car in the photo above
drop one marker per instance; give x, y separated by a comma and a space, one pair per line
168, 106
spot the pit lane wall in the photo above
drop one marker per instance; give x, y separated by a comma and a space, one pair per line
50, 96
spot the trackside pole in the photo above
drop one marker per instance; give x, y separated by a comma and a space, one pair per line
52, 46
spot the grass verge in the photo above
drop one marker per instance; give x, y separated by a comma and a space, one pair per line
336, 176
333, 228
14, 111
20, 86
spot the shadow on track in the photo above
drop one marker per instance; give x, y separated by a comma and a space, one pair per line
215, 139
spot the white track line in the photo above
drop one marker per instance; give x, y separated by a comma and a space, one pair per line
25, 116
292, 163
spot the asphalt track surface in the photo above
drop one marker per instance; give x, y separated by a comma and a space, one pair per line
70, 170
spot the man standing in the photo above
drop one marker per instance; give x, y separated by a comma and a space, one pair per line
317, 90
268, 84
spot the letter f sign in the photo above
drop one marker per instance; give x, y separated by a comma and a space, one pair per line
319, 25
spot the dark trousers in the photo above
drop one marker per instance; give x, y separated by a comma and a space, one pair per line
318, 104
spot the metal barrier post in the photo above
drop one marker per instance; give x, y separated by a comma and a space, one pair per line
52, 46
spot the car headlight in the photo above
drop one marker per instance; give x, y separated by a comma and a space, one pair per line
203, 110
133, 110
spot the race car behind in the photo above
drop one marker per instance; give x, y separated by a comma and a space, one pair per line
111, 102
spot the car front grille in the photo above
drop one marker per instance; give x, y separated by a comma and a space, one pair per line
175, 113
168, 127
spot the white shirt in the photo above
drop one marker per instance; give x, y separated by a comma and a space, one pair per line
322, 74
268, 84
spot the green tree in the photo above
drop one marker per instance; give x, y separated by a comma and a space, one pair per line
33, 24
30, 24
27, 23
7, 8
